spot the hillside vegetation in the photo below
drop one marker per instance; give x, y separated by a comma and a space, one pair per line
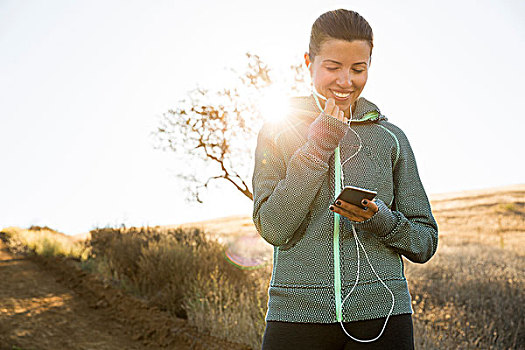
215, 273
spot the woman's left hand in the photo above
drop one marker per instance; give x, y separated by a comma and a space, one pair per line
354, 212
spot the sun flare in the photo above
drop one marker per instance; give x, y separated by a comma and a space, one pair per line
273, 104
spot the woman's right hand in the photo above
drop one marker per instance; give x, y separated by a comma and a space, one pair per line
332, 110
326, 134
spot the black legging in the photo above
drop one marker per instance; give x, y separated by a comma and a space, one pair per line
398, 335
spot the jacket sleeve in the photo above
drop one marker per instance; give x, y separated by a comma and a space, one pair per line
282, 195
410, 229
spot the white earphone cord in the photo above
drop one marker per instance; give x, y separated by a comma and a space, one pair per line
357, 241
359, 244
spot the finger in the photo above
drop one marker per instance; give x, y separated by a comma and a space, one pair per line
341, 203
355, 210
346, 213
335, 112
349, 207
329, 106
342, 116
370, 205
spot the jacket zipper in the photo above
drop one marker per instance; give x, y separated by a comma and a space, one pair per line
337, 262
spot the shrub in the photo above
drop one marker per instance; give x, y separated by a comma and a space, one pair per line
185, 272
43, 241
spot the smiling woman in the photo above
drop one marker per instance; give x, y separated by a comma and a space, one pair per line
338, 279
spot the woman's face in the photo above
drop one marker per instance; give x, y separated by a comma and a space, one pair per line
340, 70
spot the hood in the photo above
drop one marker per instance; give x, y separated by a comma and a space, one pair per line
305, 108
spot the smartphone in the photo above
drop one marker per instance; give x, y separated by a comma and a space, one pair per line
355, 195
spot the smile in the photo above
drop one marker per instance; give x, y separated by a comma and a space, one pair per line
341, 94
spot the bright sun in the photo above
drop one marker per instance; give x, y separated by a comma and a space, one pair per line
273, 104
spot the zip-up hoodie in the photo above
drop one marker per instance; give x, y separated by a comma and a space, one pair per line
294, 185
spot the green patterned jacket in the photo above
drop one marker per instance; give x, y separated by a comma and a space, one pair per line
293, 186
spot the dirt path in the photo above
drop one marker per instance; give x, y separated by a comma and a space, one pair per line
50, 304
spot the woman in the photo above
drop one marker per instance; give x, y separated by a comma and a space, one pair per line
338, 279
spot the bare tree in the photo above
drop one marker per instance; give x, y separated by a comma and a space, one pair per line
213, 133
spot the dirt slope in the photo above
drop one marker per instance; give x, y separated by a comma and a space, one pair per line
39, 313
52, 304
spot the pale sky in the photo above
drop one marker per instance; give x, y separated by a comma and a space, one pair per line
82, 84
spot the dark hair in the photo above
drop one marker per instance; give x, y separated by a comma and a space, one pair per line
339, 24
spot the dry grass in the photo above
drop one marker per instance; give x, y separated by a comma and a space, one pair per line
470, 295
184, 272
43, 241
